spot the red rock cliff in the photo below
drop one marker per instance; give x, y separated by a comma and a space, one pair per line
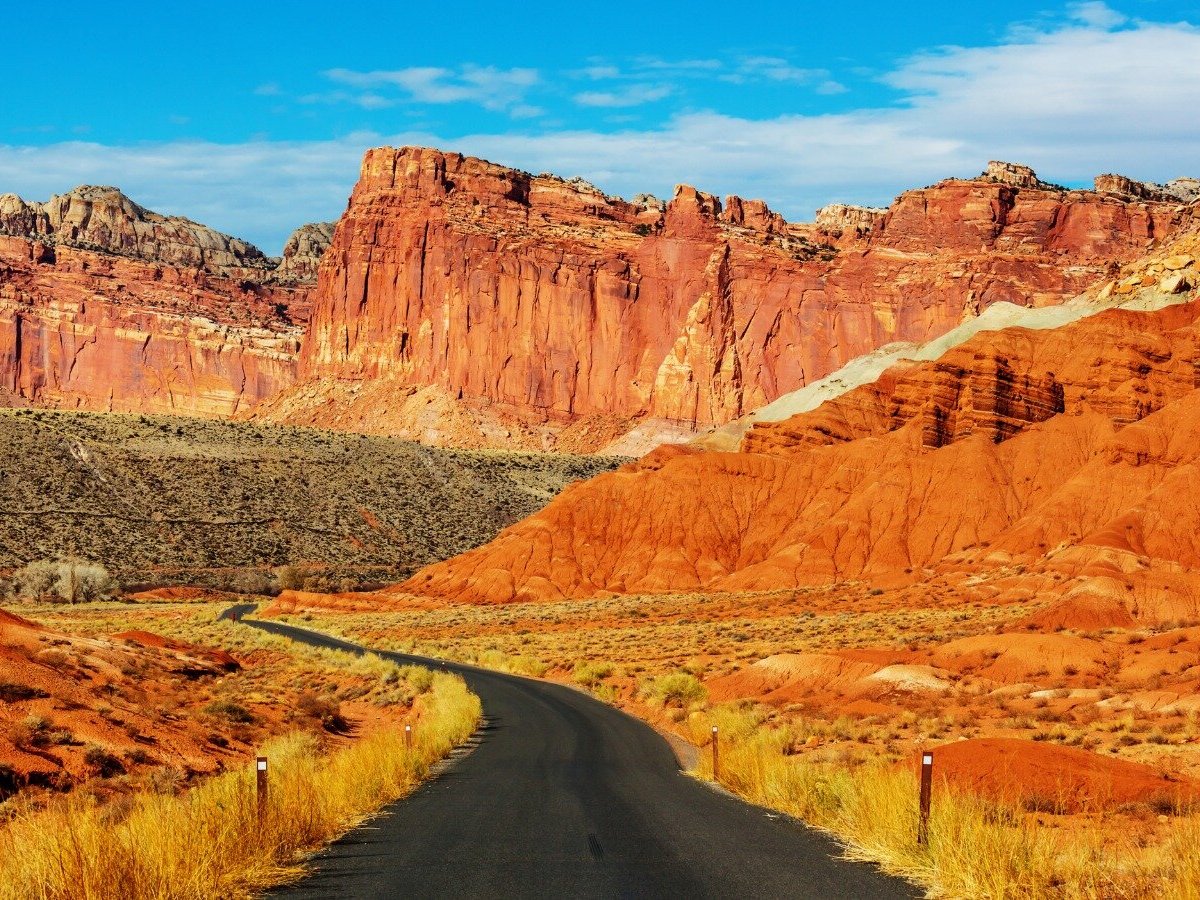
547, 301
105, 305
87, 330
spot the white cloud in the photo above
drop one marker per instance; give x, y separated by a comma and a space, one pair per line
633, 95
677, 65
598, 73
1072, 100
775, 68
1096, 14
829, 86
488, 86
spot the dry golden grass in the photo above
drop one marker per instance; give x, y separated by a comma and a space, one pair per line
976, 847
208, 842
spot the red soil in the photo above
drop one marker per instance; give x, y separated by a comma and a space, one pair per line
1054, 778
184, 593
67, 694
147, 639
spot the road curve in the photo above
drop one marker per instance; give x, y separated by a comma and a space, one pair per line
568, 797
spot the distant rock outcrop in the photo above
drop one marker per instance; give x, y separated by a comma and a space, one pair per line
1014, 174
105, 220
303, 251
842, 217
1181, 190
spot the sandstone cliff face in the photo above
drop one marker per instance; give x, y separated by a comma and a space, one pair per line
106, 305
1070, 450
86, 330
464, 303
546, 302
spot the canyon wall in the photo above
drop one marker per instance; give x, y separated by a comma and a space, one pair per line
105, 305
465, 285
468, 304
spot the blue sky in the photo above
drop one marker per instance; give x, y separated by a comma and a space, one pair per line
252, 117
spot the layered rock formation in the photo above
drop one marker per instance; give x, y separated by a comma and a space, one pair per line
105, 220
532, 304
467, 304
1069, 450
87, 330
107, 305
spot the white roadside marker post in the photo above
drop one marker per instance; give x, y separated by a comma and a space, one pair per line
261, 772
716, 758
926, 790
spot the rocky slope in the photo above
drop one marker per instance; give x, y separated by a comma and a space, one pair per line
303, 251
1067, 452
526, 306
172, 500
106, 305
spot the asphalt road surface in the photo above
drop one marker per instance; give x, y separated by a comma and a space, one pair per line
566, 797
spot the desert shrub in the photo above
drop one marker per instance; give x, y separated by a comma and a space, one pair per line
10, 781
55, 659
679, 689
590, 674
102, 762
66, 580
325, 710
229, 709
14, 692
251, 581
38, 729
291, 578
419, 677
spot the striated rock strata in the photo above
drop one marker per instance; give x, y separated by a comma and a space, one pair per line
87, 330
543, 303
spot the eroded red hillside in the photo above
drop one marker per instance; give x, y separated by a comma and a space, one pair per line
1069, 451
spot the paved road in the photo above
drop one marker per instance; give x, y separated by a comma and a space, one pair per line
567, 797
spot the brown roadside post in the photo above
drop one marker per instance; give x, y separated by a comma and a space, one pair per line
926, 789
261, 767
408, 738
716, 767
